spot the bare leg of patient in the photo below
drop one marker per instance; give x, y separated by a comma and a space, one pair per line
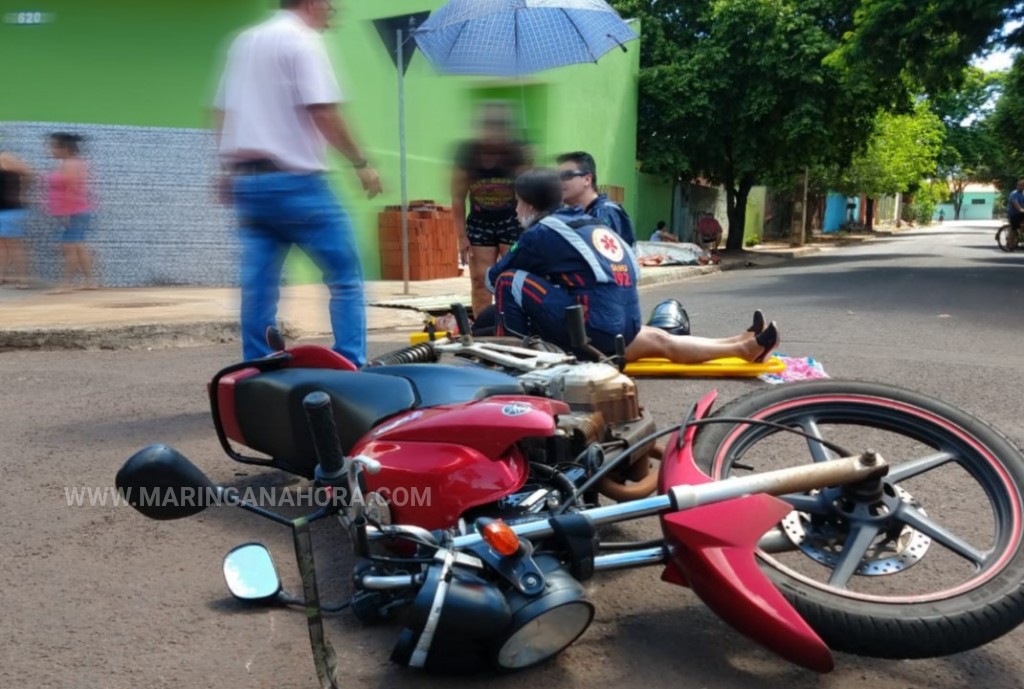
653, 343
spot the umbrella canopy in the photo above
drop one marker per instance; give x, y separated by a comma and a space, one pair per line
509, 38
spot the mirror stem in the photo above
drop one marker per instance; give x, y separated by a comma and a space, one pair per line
323, 654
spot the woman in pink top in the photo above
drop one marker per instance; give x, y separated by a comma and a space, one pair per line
69, 203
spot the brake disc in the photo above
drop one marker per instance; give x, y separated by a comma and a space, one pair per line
892, 552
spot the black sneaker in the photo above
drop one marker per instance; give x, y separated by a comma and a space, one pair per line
671, 317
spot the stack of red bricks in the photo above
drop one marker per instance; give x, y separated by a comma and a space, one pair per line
433, 252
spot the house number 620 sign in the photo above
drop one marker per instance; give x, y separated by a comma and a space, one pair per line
28, 18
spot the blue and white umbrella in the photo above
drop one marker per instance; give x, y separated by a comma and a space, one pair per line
510, 38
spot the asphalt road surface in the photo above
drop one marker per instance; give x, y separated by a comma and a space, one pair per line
101, 598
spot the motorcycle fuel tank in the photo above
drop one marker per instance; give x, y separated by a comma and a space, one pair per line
437, 463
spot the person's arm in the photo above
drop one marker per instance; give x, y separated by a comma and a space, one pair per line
223, 182
460, 188
218, 125
319, 92
1015, 200
332, 125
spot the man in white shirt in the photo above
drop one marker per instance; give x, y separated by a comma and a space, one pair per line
277, 109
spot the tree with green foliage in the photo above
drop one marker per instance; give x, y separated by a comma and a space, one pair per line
970, 153
736, 91
1007, 126
903, 150
904, 47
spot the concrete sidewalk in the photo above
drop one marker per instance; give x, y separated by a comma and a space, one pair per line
140, 318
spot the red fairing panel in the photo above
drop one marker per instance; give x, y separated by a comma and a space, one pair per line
490, 426
432, 484
713, 552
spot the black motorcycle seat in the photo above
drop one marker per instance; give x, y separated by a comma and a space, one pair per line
273, 421
439, 384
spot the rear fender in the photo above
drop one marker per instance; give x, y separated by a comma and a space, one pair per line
713, 552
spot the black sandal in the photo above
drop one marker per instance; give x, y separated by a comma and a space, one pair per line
769, 339
758, 324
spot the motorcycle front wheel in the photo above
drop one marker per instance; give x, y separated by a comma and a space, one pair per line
926, 562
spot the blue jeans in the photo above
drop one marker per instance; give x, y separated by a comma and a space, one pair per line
276, 211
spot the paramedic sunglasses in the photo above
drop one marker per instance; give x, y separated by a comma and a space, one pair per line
566, 175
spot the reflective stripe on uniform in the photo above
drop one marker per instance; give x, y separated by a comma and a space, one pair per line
577, 242
517, 285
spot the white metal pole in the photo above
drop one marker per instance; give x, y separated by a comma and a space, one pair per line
400, 39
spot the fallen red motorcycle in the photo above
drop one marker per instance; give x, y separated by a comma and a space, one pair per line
804, 546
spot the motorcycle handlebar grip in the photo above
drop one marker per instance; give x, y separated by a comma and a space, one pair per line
325, 435
576, 326
461, 319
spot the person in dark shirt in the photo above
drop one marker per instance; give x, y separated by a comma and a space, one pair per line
579, 187
485, 173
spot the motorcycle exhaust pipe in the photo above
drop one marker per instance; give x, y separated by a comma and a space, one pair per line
621, 492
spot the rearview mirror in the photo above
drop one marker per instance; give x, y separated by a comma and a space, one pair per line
161, 483
250, 573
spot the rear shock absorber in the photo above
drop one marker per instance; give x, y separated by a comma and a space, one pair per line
423, 353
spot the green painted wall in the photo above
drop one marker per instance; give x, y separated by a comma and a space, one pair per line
156, 64
655, 204
115, 61
594, 108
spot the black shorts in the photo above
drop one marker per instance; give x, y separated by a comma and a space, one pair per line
493, 231
1015, 221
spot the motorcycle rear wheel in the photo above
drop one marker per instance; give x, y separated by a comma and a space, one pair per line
962, 616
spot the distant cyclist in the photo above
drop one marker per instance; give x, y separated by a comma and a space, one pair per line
1015, 213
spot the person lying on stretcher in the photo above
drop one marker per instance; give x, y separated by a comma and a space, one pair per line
565, 258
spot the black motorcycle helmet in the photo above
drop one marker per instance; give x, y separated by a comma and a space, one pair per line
671, 317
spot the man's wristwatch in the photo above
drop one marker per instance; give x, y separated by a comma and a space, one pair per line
364, 163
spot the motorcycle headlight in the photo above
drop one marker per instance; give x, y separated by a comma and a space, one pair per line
460, 623
545, 625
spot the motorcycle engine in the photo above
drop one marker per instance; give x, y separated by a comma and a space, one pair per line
589, 387
605, 410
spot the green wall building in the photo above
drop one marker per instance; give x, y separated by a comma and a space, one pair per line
136, 79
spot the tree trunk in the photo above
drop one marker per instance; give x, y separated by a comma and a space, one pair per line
958, 202
869, 214
736, 203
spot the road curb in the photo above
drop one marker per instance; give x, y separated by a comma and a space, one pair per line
662, 275
118, 337
140, 336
